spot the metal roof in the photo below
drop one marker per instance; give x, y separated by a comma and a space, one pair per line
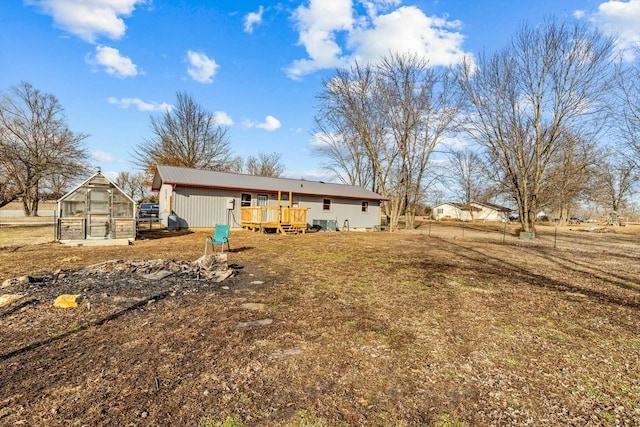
188, 177
472, 206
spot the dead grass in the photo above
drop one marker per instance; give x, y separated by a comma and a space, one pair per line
369, 329
11, 235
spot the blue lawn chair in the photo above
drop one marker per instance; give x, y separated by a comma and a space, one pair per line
220, 237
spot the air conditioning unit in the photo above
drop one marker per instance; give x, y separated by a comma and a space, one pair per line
326, 224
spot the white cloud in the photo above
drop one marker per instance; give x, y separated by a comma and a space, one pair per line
114, 63
409, 29
620, 19
453, 143
324, 175
140, 104
112, 175
324, 139
252, 19
102, 156
201, 67
88, 19
270, 124
318, 25
222, 119
368, 36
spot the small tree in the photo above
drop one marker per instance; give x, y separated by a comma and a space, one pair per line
568, 178
265, 165
466, 174
188, 136
615, 180
135, 186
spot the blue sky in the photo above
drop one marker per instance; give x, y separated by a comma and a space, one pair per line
257, 65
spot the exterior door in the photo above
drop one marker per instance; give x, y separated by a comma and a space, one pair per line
99, 213
263, 200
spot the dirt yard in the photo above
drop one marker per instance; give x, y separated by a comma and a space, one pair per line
326, 329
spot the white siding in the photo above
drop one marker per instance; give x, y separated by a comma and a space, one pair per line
449, 211
486, 213
489, 214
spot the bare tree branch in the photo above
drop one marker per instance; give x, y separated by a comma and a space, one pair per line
36, 144
379, 124
186, 136
552, 80
265, 165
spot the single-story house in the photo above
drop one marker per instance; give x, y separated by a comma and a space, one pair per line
474, 211
96, 209
194, 198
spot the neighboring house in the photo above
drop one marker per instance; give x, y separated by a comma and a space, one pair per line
193, 198
474, 211
96, 209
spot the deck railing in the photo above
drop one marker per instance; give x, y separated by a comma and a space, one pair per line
273, 217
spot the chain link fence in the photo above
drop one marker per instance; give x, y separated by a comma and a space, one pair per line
16, 229
591, 236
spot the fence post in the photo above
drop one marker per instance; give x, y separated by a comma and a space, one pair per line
504, 233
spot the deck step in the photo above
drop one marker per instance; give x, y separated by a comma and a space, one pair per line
289, 229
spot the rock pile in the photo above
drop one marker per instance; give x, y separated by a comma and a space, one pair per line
124, 278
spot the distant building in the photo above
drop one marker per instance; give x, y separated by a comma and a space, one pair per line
193, 198
474, 211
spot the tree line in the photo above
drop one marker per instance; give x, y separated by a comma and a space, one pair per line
547, 122
550, 120
42, 158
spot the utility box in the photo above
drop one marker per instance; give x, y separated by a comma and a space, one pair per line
527, 235
172, 222
326, 224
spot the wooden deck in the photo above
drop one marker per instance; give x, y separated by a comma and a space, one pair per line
285, 220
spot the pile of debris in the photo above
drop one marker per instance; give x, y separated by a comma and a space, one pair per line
125, 278
597, 230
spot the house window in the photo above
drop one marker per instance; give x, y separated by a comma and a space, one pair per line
365, 207
245, 200
326, 204
263, 200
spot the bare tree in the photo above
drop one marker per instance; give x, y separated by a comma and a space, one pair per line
344, 155
123, 181
568, 178
349, 127
466, 174
615, 181
188, 136
385, 120
265, 165
55, 186
36, 144
628, 79
552, 80
137, 186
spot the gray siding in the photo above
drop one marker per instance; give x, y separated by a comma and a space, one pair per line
341, 210
204, 208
